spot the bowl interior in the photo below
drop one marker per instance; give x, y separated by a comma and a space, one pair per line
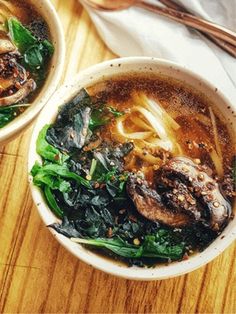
47, 11
89, 77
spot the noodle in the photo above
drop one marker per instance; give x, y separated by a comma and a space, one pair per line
216, 156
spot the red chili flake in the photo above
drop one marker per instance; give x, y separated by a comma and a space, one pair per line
133, 218
109, 232
185, 257
57, 157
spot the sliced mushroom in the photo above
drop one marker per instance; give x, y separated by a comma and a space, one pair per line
216, 209
6, 46
184, 194
23, 92
149, 204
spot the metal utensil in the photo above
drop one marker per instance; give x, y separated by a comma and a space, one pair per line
222, 36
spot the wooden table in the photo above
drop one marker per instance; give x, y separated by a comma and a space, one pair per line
37, 275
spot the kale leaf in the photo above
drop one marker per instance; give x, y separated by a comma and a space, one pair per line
70, 130
110, 157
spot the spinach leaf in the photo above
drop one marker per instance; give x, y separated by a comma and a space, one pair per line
20, 35
150, 247
101, 116
42, 174
36, 54
43, 177
52, 202
115, 112
70, 130
47, 151
116, 245
97, 119
9, 113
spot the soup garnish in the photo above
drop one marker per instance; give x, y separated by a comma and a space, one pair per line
25, 54
134, 168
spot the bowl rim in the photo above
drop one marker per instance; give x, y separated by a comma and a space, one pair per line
109, 266
20, 122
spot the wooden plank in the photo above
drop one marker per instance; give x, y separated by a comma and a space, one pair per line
37, 275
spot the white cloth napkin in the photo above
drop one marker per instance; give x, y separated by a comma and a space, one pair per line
137, 32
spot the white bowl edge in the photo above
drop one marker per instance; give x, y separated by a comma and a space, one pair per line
47, 10
83, 79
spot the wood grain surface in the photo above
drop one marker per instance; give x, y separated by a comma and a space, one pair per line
37, 275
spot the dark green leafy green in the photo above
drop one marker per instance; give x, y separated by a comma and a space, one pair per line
102, 115
36, 53
20, 35
112, 157
51, 172
70, 130
97, 119
47, 151
115, 112
9, 113
151, 247
52, 202
35, 56
98, 212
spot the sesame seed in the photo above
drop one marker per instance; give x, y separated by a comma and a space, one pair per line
136, 241
201, 177
181, 198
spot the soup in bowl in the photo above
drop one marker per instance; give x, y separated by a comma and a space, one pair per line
31, 60
132, 165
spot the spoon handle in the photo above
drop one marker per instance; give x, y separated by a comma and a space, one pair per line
192, 21
227, 47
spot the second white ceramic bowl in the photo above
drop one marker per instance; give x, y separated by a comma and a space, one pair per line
89, 77
47, 11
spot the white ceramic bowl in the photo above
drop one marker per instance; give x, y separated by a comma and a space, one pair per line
86, 78
47, 11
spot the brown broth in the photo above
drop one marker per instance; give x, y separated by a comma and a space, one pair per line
27, 14
185, 105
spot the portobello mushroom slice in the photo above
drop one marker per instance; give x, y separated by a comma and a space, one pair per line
184, 194
149, 204
216, 210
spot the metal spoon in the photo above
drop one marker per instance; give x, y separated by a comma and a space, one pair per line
181, 17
